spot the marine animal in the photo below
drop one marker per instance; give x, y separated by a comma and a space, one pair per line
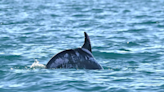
79, 58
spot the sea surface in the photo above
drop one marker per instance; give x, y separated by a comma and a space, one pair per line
127, 38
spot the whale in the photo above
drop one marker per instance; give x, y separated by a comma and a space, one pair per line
78, 58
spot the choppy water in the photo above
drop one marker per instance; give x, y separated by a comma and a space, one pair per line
127, 39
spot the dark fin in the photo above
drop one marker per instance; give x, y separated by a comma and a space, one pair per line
87, 44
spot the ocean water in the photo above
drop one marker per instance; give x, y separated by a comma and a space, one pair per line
127, 38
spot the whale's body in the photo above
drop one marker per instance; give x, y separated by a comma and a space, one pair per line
80, 58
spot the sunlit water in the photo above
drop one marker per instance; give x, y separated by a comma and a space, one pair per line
127, 39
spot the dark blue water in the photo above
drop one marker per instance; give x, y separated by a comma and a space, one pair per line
127, 39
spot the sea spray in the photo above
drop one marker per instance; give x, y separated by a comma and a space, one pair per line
37, 65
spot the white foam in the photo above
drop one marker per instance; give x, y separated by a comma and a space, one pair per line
37, 65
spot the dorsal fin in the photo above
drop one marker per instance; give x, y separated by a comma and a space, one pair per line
87, 44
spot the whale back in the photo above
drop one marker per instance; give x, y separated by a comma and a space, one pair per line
74, 58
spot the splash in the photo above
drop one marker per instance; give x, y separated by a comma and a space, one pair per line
37, 65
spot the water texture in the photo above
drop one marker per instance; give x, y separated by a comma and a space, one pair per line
127, 40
